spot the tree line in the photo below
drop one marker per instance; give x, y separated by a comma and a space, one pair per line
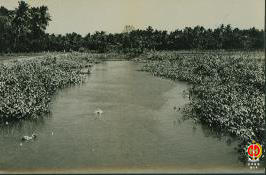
23, 30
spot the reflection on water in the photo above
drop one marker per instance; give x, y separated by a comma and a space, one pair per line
139, 126
16, 129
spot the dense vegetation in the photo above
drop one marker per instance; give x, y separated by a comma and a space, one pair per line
23, 30
26, 86
227, 91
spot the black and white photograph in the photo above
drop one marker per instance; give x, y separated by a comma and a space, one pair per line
132, 86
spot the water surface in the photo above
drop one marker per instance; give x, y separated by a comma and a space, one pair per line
138, 128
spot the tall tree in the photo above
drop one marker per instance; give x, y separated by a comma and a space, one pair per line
20, 24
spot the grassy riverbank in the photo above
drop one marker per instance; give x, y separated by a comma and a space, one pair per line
227, 91
27, 85
101, 56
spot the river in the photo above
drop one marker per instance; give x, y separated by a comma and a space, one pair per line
139, 130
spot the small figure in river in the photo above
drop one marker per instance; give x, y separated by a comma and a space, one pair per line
27, 138
98, 112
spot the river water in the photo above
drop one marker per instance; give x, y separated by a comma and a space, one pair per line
138, 130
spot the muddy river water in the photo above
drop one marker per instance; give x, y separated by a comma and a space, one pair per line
137, 130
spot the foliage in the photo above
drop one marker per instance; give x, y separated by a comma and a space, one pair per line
227, 91
26, 87
23, 30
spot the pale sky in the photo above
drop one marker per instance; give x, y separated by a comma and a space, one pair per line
84, 16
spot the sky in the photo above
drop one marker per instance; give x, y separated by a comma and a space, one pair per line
88, 16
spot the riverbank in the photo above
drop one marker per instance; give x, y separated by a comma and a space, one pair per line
28, 80
27, 85
100, 56
17, 56
139, 127
227, 92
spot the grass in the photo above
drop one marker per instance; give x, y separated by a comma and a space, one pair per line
227, 91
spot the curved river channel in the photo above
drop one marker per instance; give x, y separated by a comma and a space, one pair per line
138, 131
